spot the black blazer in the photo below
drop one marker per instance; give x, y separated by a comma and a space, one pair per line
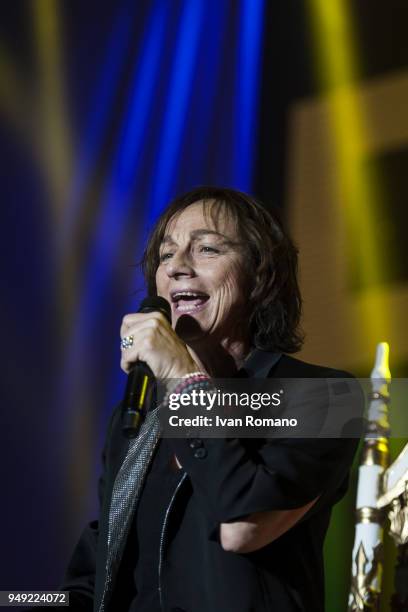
234, 478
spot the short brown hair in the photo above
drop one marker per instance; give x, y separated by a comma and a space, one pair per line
275, 302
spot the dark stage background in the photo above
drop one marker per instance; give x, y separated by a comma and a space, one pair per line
107, 110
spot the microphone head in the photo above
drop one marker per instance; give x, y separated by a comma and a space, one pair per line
156, 303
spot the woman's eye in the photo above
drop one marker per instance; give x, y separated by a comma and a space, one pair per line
165, 256
208, 249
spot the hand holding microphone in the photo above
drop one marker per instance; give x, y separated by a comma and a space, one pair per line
150, 349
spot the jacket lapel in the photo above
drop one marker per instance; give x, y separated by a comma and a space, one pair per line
125, 495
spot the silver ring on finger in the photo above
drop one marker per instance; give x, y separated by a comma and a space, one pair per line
126, 342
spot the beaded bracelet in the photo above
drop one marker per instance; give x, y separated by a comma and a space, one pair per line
186, 379
189, 382
189, 379
197, 373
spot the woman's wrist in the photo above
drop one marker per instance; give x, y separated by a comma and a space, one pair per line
184, 367
185, 379
187, 383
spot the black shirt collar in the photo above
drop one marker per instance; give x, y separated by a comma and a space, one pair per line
259, 363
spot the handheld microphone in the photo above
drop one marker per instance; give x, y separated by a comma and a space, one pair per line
141, 381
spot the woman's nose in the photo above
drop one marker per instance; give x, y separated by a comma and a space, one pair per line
180, 265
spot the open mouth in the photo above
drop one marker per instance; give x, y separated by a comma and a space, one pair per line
188, 301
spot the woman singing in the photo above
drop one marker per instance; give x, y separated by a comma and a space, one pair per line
213, 524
